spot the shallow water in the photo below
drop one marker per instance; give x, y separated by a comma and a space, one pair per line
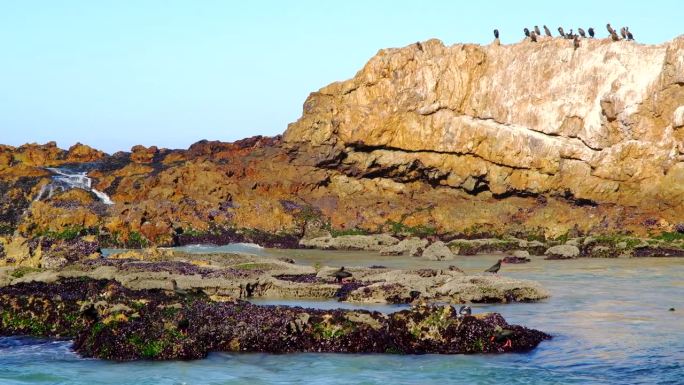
609, 318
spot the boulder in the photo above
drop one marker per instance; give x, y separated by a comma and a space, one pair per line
438, 251
410, 246
351, 242
562, 252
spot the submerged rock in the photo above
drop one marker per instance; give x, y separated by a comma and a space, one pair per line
112, 322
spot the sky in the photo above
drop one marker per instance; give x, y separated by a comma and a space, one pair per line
112, 74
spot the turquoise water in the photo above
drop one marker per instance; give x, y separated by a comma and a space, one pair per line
610, 320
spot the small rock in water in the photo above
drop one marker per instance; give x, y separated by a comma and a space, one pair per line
672, 309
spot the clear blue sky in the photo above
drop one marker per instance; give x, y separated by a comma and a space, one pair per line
112, 74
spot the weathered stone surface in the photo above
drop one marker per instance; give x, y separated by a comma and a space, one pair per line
351, 242
438, 251
520, 254
410, 246
562, 252
247, 276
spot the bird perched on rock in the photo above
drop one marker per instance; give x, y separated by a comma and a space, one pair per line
614, 36
340, 275
591, 32
629, 34
496, 33
536, 30
547, 31
623, 32
561, 32
464, 311
495, 268
533, 37
610, 29
581, 32
570, 35
527, 32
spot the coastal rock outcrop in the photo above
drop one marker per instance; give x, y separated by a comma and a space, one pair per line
535, 141
112, 322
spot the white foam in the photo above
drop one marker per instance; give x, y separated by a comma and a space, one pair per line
64, 180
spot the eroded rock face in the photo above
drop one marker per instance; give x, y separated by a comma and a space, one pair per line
597, 124
530, 140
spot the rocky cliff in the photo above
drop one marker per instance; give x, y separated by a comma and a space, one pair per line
530, 139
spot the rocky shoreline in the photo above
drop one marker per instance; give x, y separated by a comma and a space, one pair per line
244, 276
111, 322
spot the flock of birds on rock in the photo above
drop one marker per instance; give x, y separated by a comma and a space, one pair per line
575, 37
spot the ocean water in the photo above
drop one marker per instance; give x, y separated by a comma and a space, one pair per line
610, 320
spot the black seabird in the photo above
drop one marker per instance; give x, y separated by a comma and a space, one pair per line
341, 274
536, 30
496, 33
581, 32
591, 32
610, 29
527, 32
547, 31
495, 268
560, 30
629, 34
623, 32
570, 35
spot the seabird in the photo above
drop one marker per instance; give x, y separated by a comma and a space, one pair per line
560, 30
495, 268
614, 36
496, 33
629, 34
547, 31
610, 29
536, 30
533, 36
527, 32
581, 32
570, 35
341, 274
623, 32
591, 32
464, 311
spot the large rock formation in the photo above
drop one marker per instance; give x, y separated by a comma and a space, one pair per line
601, 124
536, 140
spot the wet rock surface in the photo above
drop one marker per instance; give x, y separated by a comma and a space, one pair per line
112, 322
245, 276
